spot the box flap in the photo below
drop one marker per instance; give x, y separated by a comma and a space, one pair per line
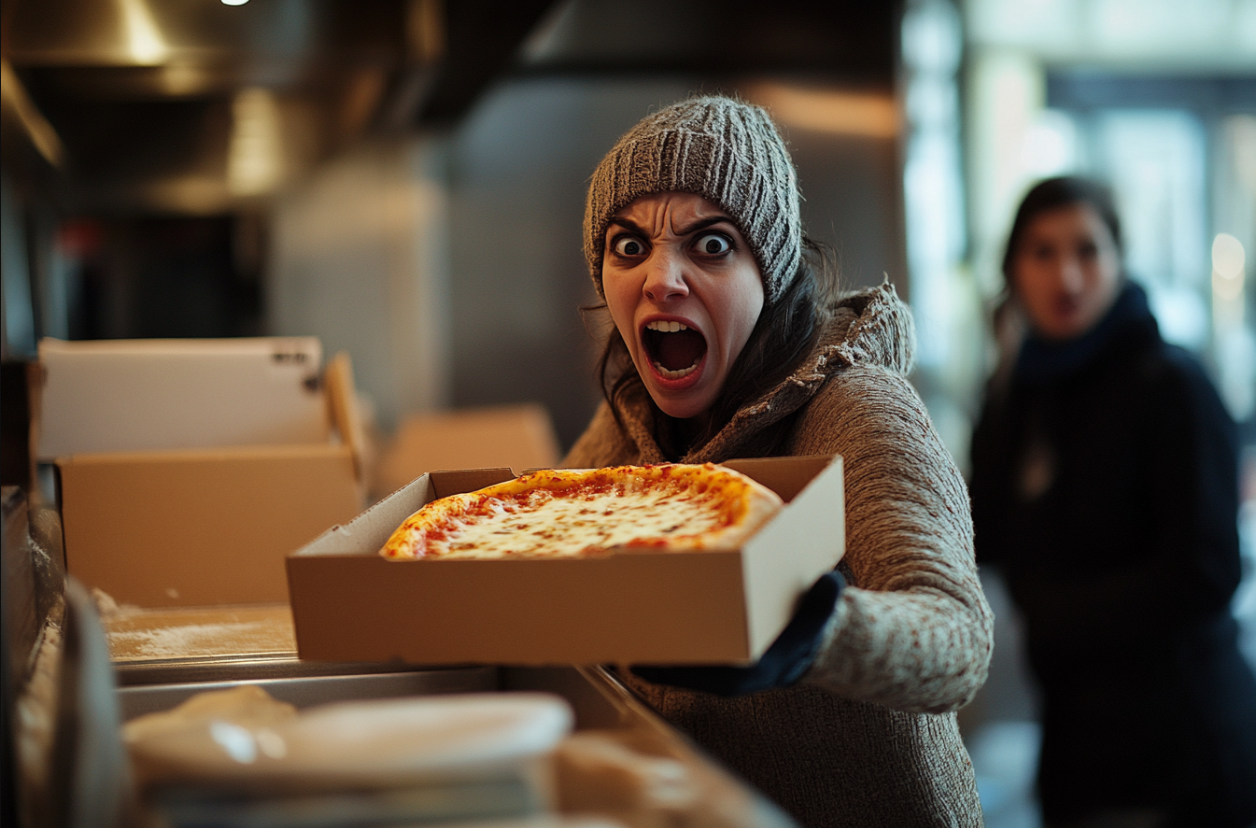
786, 476
343, 408
137, 395
811, 529
448, 483
366, 533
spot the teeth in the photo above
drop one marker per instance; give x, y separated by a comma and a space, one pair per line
683, 372
667, 327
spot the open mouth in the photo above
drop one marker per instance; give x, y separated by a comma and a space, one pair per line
675, 350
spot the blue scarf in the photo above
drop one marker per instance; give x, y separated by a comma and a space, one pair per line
1044, 359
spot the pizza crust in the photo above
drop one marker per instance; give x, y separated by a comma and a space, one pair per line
562, 513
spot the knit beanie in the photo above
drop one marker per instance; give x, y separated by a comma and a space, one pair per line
726, 151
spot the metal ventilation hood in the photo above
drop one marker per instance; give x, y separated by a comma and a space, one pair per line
200, 107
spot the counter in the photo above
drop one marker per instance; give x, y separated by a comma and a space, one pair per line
162, 657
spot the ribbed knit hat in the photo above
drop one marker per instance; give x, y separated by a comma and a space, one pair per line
726, 151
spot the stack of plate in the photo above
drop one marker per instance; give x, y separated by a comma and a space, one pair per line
238, 757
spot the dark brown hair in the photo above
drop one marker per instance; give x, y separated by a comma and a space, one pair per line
781, 338
1052, 194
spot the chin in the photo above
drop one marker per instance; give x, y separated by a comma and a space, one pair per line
679, 407
679, 411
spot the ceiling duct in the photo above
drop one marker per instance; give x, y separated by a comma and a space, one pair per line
201, 107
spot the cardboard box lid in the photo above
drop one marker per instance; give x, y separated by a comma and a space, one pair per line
136, 395
351, 604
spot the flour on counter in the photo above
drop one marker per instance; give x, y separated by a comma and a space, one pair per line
195, 640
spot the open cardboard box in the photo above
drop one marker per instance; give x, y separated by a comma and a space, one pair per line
210, 524
350, 604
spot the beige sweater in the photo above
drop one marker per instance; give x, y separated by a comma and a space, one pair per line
869, 737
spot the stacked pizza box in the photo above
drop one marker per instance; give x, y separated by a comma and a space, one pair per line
187, 469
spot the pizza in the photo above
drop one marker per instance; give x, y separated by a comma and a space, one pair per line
554, 513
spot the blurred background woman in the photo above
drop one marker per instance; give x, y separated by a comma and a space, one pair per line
1105, 487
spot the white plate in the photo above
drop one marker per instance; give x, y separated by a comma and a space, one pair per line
372, 743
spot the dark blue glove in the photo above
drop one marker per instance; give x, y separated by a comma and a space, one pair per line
780, 666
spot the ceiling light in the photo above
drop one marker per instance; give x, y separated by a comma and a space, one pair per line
255, 155
147, 46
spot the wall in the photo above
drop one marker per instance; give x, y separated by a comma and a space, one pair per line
358, 257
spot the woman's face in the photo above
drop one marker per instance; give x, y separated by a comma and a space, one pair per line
684, 291
1066, 271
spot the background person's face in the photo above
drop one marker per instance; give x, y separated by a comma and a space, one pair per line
1066, 271
685, 292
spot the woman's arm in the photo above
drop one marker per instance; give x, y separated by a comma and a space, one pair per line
913, 630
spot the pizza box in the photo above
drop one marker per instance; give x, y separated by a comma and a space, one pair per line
209, 524
350, 604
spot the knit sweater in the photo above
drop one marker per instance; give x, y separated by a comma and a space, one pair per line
869, 736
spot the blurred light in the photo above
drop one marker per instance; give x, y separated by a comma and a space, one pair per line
932, 38
1181, 313
1050, 145
842, 113
1228, 256
1227, 289
42, 135
1194, 33
254, 160
144, 39
234, 2
1242, 130
236, 741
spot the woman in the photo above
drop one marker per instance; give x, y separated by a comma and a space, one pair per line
724, 347
1105, 487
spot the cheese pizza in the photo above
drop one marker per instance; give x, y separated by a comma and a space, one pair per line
554, 513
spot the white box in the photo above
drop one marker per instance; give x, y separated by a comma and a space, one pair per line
172, 394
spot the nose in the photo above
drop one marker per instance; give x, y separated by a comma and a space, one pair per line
1071, 277
665, 278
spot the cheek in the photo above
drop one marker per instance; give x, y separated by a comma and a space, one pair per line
1109, 267
619, 303
742, 312
1028, 282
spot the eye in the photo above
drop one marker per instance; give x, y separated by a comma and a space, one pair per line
713, 244
1041, 252
629, 246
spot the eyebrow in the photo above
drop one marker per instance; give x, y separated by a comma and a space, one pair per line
700, 224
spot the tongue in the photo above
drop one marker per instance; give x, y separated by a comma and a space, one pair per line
679, 350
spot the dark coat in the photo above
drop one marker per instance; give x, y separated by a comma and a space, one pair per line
1105, 488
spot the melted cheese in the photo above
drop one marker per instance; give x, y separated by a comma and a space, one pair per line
555, 513
538, 523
